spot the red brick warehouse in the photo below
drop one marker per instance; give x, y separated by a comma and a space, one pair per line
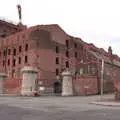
52, 50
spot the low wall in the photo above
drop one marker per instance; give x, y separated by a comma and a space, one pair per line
86, 85
12, 86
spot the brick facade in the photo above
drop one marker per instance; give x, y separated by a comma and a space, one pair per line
52, 50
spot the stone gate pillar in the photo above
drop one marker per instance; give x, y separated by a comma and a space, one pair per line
67, 85
29, 76
2, 77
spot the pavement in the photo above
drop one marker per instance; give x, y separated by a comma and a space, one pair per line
58, 108
107, 103
107, 100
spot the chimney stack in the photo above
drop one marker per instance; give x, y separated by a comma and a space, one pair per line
19, 12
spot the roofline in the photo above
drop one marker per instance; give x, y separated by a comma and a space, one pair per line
10, 24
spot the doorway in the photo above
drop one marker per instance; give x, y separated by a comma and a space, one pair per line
57, 87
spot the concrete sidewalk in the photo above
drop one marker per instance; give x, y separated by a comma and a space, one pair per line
107, 103
107, 100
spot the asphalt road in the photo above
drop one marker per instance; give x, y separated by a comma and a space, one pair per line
55, 108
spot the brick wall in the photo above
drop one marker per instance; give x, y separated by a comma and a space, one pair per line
111, 74
12, 86
86, 85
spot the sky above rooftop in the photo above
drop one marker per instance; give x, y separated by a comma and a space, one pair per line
95, 21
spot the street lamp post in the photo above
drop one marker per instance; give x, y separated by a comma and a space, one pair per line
102, 75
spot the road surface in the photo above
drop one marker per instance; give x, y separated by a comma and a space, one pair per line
55, 108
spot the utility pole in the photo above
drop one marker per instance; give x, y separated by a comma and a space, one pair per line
102, 75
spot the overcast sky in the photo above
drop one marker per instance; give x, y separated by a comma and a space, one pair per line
95, 21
